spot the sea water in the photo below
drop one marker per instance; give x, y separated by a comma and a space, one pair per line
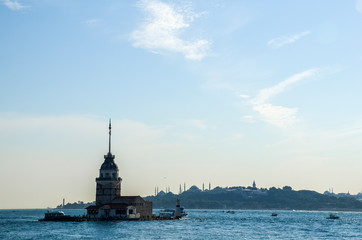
200, 224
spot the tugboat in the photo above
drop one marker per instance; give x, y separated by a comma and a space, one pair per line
332, 216
59, 216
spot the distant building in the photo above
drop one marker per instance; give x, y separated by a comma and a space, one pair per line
109, 202
194, 189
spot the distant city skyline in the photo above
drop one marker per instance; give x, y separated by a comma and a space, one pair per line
215, 91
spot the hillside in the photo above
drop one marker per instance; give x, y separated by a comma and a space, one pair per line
249, 198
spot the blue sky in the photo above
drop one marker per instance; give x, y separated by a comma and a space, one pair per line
225, 92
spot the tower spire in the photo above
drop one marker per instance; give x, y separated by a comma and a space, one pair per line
110, 127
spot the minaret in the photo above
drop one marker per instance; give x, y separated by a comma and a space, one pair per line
108, 182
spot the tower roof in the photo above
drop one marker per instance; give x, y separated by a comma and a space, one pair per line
109, 163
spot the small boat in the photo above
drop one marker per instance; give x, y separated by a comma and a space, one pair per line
332, 216
59, 216
274, 214
232, 212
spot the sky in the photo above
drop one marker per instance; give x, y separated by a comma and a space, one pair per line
220, 92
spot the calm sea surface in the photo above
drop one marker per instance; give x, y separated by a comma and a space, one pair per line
201, 224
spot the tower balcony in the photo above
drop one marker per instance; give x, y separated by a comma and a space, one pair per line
108, 179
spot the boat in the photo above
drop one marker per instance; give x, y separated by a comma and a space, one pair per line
230, 211
183, 212
332, 216
274, 214
167, 213
59, 216
170, 213
177, 213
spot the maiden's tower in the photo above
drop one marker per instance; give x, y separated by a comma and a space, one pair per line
108, 182
110, 205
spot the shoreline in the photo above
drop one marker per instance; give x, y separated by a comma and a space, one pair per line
209, 209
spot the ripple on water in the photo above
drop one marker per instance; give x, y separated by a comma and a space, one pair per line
201, 224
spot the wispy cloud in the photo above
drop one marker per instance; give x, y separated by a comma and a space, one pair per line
351, 132
266, 93
244, 96
279, 115
13, 5
284, 40
248, 118
236, 136
359, 6
162, 28
92, 22
198, 123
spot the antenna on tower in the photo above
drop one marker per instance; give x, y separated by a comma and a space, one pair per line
110, 127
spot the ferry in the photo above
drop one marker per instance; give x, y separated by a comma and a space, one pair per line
59, 216
170, 213
166, 213
183, 213
177, 213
